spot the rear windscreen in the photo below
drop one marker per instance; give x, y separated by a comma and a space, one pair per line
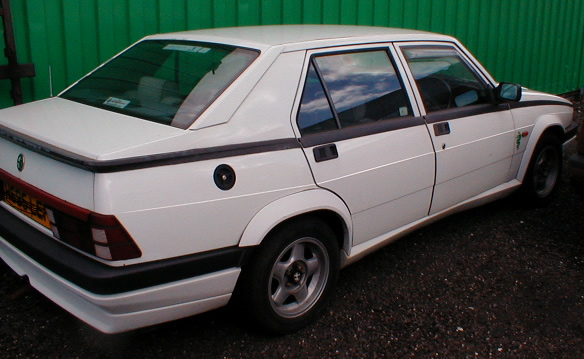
168, 82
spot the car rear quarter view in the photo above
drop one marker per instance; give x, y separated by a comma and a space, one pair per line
253, 163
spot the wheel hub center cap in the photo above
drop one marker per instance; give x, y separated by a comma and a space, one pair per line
296, 273
296, 277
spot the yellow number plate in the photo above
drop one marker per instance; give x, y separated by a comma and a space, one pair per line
26, 204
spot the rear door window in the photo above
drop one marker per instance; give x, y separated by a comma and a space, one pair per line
350, 89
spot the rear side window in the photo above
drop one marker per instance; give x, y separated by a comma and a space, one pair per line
315, 113
165, 81
444, 79
349, 89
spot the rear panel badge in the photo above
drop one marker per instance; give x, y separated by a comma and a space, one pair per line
20, 162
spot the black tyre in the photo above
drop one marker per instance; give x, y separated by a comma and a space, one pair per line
543, 174
290, 278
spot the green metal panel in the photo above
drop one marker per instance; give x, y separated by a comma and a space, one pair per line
538, 43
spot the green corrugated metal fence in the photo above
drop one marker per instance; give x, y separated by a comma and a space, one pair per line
538, 43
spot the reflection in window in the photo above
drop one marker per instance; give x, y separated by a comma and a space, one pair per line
444, 79
315, 113
170, 82
363, 87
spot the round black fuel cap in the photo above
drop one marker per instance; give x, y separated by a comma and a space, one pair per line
224, 177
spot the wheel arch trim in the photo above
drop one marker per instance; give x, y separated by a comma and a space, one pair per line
544, 124
292, 206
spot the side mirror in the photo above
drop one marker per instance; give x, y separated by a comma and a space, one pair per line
508, 92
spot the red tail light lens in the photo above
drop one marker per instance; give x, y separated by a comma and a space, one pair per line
111, 239
100, 235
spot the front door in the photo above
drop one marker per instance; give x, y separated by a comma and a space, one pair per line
474, 138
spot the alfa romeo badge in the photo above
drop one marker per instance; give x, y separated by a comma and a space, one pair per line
20, 162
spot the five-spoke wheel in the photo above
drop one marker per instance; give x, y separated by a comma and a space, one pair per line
298, 277
290, 278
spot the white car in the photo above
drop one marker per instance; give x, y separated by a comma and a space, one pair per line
257, 161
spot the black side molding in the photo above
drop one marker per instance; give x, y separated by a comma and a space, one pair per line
155, 160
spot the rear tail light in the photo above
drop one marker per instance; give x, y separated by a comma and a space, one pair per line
97, 234
111, 239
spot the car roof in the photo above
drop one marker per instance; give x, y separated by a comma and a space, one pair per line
296, 37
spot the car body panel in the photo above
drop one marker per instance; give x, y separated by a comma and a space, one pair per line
473, 144
163, 185
299, 203
474, 157
530, 124
80, 130
73, 185
398, 164
365, 248
189, 201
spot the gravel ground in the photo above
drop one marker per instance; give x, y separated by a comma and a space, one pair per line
499, 281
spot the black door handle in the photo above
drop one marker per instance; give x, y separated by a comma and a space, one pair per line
442, 128
325, 153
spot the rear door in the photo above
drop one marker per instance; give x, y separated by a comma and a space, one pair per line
363, 139
474, 137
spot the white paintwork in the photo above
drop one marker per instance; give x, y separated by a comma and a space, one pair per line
71, 184
374, 171
299, 37
381, 186
221, 110
184, 197
85, 131
291, 206
264, 105
473, 158
536, 123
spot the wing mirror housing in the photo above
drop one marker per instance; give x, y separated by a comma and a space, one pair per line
508, 92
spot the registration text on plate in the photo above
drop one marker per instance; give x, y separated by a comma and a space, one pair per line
27, 205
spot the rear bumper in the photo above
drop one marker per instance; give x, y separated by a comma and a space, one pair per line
117, 299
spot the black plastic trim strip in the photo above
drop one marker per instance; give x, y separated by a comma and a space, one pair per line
522, 104
571, 131
452, 114
346, 133
155, 160
100, 278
